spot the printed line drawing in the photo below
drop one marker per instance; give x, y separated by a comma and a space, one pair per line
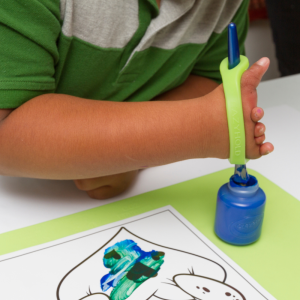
130, 267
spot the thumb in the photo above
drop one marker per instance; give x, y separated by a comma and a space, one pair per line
252, 77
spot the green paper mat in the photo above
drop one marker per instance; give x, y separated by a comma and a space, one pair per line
273, 261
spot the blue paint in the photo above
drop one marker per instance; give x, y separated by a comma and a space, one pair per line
130, 267
240, 212
241, 175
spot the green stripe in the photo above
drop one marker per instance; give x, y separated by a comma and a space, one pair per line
15, 98
84, 70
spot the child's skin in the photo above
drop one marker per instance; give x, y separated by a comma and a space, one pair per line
195, 86
64, 137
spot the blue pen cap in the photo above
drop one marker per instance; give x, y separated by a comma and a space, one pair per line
240, 212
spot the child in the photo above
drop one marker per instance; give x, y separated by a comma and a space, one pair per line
61, 60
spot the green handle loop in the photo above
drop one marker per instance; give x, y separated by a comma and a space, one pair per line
232, 89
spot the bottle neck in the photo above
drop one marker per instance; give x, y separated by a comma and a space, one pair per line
244, 191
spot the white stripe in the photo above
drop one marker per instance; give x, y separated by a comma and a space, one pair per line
104, 23
112, 23
187, 21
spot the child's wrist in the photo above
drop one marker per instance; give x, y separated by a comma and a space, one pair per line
216, 128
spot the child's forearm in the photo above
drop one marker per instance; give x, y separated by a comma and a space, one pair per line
64, 137
193, 87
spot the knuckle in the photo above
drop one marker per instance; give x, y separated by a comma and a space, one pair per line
104, 189
93, 195
252, 78
253, 150
260, 127
249, 86
104, 193
82, 184
100, 194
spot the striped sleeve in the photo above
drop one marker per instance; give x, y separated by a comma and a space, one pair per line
28, 49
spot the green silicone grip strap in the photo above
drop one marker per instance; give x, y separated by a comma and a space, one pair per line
232, 89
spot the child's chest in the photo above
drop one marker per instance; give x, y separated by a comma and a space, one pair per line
135, 50
164, 24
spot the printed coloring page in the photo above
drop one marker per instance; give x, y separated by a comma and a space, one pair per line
156, 255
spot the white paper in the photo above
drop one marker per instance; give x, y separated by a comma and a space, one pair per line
190, 267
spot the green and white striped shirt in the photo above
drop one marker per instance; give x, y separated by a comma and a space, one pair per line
118, 50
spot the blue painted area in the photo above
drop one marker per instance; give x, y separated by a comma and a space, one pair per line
129, 266
127, 253
252, 183
233, 47
241, 175
240, 212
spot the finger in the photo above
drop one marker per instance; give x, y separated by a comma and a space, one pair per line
259, 129
106, 192
110, 185
111, 180
259, 140
252, 77
266, 148
120, 183
257, 114
91, 183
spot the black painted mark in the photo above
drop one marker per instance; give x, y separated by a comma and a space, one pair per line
139, 270
112, 254
158, 255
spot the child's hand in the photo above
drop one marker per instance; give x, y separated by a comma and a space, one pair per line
105, 187
255, 131
218, 137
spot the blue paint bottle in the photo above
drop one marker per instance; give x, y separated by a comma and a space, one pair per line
240, 212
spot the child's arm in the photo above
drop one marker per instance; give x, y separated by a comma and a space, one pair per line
109, 186
65, 137
195, 86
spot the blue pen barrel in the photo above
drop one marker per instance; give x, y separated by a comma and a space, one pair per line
240, 212
233, 47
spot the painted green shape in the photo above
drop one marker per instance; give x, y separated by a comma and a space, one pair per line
276, 265
137, 274
129, 266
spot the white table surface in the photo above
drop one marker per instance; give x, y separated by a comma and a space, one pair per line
24, 202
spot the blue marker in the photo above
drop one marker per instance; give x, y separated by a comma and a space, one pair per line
240, 175
233, 47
